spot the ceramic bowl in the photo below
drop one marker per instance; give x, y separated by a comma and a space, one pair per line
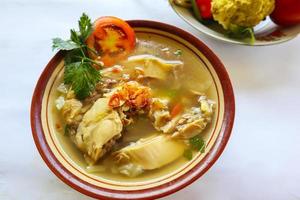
266, 32
63, 162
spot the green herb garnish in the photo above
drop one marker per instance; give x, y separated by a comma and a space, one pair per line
85, 27
178, 52
77, 39
58, 43
243, 33
196, 144
83, 78
79, 71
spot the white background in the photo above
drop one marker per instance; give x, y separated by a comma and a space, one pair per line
262, 158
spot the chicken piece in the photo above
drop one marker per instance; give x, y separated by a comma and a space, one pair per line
206, 106
189, 126
153, 66
186, 125
161, 117
159, 113
97, 132
113, 73
169, 127
71, 111
126, 119
195, 120
141, 66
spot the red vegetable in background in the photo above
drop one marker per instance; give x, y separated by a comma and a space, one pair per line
205, 8
286, 12
202, 8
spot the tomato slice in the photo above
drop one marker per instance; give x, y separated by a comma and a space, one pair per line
113, 39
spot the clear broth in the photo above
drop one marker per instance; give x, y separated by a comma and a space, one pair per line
194, 76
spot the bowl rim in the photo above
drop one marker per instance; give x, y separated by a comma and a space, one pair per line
150, 193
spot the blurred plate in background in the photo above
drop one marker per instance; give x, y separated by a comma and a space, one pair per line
266, 32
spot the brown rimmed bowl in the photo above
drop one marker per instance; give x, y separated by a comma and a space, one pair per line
69, 171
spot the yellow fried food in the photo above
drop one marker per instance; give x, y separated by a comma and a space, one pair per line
244, 13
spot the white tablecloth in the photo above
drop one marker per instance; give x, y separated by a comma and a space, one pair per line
262, 158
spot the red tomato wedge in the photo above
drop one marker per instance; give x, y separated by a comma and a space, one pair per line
112, 38
286, 12
204, 7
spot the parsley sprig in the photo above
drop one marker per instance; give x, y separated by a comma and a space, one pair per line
196, 143
79, 71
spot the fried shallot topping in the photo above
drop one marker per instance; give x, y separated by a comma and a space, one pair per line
131, 95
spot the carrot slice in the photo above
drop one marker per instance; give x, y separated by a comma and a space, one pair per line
176, 110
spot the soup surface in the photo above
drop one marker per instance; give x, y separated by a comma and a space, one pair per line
150, 114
